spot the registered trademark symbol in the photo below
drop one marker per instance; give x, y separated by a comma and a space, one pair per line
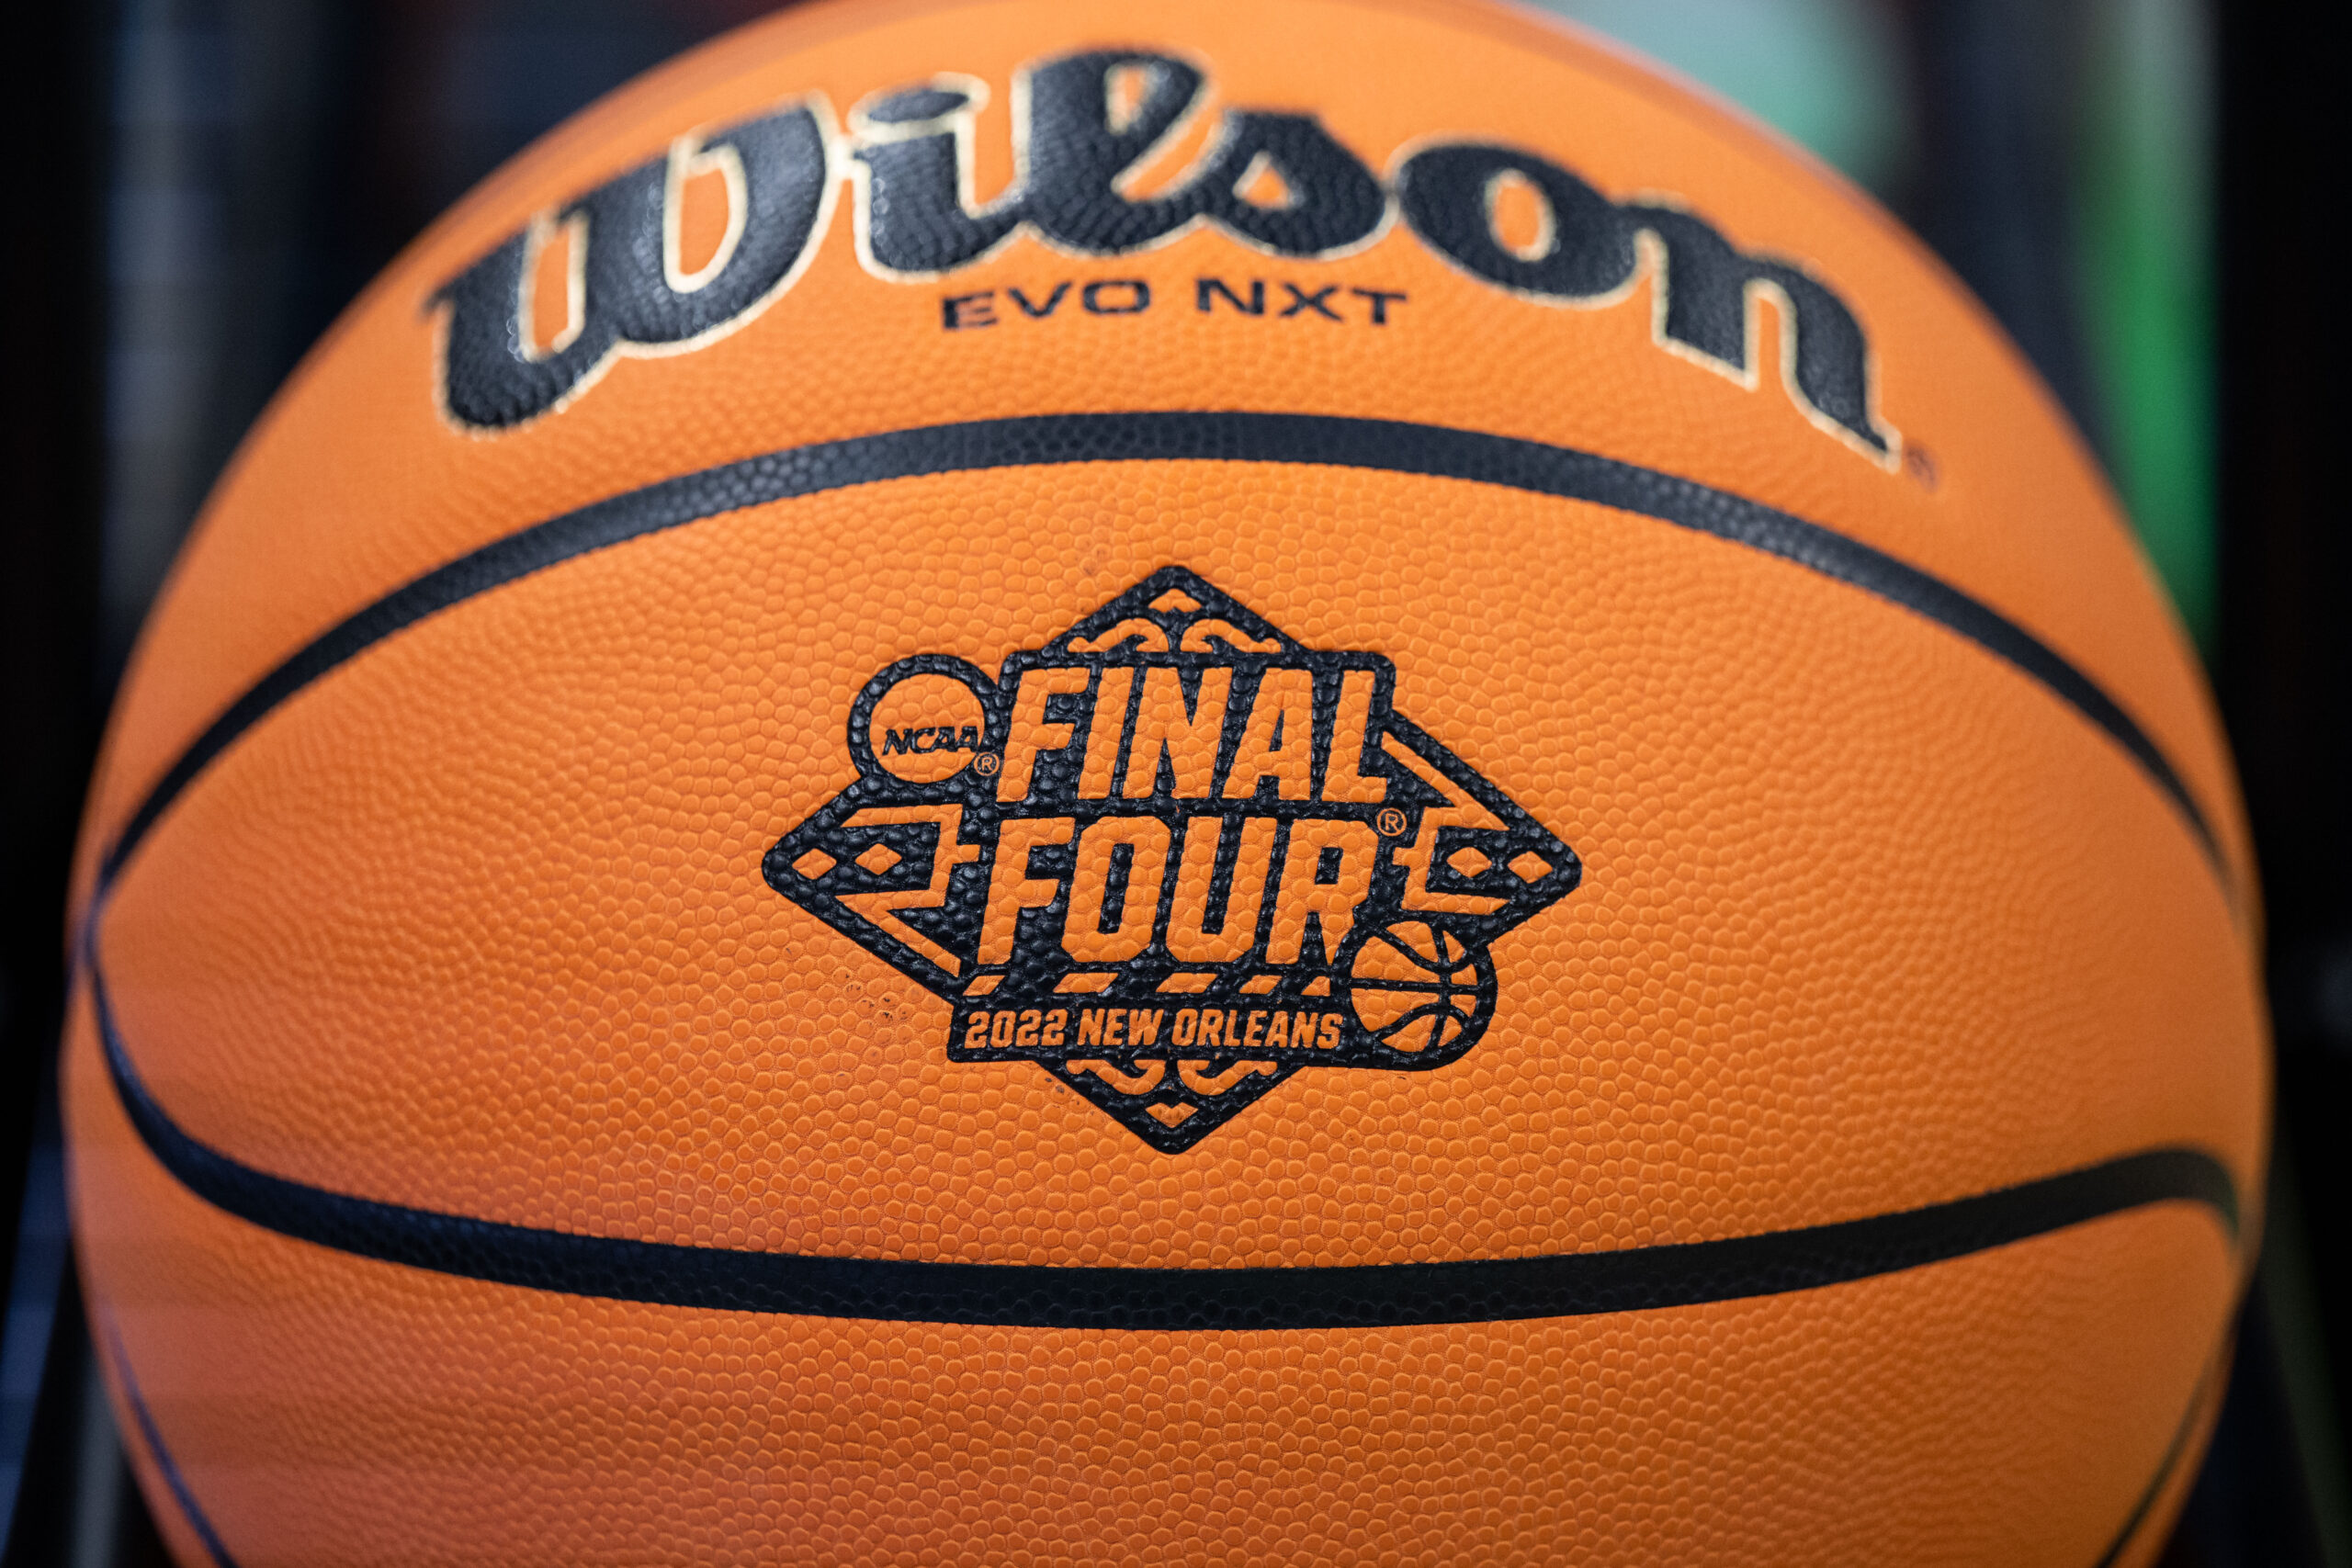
987, 764
1391, 822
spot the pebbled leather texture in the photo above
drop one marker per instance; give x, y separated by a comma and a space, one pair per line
477, 1156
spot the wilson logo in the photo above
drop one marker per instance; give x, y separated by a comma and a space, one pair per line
1173, 857
1279, 184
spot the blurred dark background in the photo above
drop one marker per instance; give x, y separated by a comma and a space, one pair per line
2137, 188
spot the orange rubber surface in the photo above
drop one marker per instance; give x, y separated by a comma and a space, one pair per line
530, 972
1868, 920
2011, 1407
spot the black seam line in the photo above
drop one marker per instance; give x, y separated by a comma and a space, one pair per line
190, 1510
2175, 1450
1046, 1296
1390, 445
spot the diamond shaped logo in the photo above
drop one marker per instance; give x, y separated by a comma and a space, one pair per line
1174, 857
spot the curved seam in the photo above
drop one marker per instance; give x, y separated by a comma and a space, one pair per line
1432, 451
210, 1536
1071, 1296
2198, 1399
150, 1434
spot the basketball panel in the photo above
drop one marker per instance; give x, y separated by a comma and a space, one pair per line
497, 942
2010, 1406
353, 482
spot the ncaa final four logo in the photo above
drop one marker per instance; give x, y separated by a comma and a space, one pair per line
1173, 857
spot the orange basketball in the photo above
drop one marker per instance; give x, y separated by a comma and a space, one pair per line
1040, 781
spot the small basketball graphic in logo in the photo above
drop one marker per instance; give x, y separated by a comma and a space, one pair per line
1416, 986
1173, 857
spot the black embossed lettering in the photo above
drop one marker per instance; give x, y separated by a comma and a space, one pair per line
490, 375
1446, 193
1706, 286
1081, 148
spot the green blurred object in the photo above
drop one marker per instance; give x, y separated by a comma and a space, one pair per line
1826, 73
2144, 224
1831, 74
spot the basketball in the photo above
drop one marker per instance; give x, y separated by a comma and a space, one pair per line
1041, 782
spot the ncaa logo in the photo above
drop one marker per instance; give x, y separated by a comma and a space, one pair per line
1173, 857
